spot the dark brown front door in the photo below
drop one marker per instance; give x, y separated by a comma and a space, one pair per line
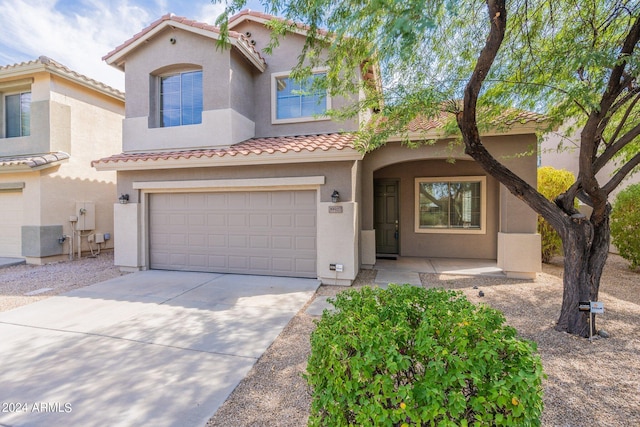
386, 216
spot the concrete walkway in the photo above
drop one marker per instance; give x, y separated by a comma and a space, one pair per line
406, 270
152, 348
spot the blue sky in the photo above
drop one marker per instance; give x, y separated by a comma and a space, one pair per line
78, 33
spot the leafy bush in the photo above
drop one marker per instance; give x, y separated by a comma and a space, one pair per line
410, 356
625, 222
551, 183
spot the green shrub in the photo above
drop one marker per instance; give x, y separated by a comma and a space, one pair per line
411, 356
625, 222
551, 183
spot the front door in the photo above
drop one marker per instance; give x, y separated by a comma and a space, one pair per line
386, 216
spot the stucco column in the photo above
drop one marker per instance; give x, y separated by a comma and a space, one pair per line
337, 242
126, 236
519, 244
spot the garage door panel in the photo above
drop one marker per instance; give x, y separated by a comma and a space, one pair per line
305, 264
196, 220
259, 263
306, 220
197, 201
259, 220
238, 262
271, 232
198, 240
218, 262
258, 200
237, 201
308, 243
282, 242
281, 220
237, 219
259, 242
217, 241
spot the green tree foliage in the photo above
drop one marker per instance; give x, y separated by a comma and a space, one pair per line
411, 356
551, 184
625, 223
575, 61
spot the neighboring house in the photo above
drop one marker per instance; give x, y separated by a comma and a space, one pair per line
562, 152
229, 168
54, 122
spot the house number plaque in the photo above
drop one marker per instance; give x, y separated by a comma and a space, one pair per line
335, 209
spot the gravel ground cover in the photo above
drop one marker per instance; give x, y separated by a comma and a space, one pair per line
588, 384
18, 280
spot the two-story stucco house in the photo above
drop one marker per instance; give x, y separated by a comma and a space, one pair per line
229, 167
54, 122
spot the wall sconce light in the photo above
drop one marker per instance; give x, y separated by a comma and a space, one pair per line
335, 196
124, 199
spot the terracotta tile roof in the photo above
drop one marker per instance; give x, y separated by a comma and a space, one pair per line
260, 16
54, 66
507, 118
251, 147
33, 161
188, 22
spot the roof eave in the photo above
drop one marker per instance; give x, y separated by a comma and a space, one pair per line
22, 167
345, 154
437, 133
110, 92
118, 57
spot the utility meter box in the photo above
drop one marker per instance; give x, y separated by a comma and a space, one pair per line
86, 213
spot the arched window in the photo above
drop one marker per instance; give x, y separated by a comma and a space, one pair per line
180, 98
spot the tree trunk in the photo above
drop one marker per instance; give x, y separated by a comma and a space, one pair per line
586, 247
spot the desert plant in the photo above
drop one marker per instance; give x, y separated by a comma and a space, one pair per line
625, 222
411, 356
551, 183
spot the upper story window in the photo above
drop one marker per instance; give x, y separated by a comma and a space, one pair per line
18, 114
451, 205
181, 99
294, 101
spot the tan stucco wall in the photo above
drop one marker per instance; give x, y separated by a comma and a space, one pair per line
338, 243
505, 213
337, 232
284, 58
39, 139
562, 152
445, 244
337, 174
222, 124
86, 125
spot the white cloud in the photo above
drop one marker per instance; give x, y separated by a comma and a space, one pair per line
78, 33
209, 13
37, 28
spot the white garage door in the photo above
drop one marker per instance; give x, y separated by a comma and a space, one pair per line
11, 224
263, 232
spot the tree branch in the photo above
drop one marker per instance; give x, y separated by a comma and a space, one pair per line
615, 148
621, 174
635, 94
589, 136
467, 122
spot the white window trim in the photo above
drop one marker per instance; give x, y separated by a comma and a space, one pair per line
274, 117
483, 205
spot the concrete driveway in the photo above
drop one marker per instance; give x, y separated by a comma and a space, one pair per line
156, 348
